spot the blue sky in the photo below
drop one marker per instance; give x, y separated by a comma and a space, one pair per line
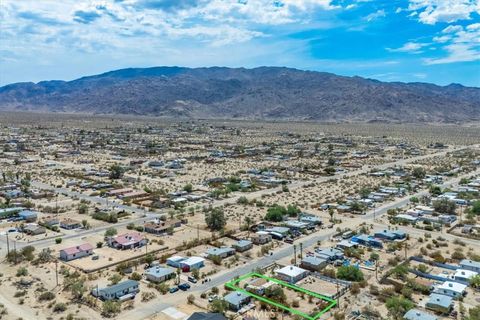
434, 41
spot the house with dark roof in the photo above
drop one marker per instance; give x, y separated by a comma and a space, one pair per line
313, 263
221, 252
243, 245
390, 235
206, 316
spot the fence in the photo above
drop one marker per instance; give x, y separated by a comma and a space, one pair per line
434, 263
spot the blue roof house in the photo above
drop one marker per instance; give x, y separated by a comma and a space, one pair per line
439, 303
28, 215
236, 300
415, 314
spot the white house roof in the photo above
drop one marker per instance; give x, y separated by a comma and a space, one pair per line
291, 271
465, 273
452, 286
193, 260
176, 258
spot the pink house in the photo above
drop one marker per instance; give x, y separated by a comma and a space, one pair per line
76, 252
127, 241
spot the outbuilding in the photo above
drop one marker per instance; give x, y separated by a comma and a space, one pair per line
192, 263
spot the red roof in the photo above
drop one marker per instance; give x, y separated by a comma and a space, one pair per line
78, 249
129, 238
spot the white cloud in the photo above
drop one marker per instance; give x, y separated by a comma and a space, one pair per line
433, 11
462, 44
410, 47
442, 39
375, 15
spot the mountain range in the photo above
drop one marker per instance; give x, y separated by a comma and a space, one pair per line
259, 93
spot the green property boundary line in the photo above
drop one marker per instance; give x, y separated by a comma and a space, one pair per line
232, 285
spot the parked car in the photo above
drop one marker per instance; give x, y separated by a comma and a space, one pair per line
184, 286
173, 289
192, 279
211, 298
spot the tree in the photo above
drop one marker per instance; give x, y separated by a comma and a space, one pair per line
242, 200
419, 172
82, 208
275, 213
475, 281
27, 252
475, 207
349, 273
191, 299
215, 219
115, 278
276, 294
398, 306
474, 313
110, 308
292, 211
22, 272
445, 206
110, 232
78, 289
364, 192
58, 240
116, 171
188, 188
435, 190
218, 306
331, 212
329, 170
374, 256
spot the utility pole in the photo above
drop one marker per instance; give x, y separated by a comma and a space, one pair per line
338, 294
374, 205
56, 271
15, 250
295, 254
301, 250
8, 245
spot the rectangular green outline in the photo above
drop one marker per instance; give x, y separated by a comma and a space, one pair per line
232, 285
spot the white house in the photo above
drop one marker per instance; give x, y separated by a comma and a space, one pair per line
291, 273
464, 275
452, 289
